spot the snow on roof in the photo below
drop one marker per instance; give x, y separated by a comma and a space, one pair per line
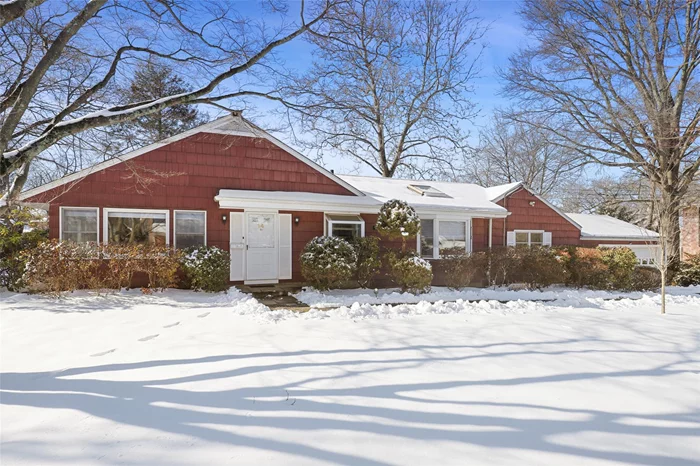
496, 193
462, 196
604, 226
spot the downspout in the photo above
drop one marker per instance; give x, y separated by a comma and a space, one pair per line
490, 233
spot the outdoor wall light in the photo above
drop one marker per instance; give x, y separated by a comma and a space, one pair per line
223, 218
532, 203
297, 220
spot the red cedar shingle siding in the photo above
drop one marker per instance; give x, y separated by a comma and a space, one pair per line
538, 217
199, 166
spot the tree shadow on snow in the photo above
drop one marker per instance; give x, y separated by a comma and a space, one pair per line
163, 405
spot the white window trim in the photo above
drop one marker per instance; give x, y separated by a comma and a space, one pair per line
529, 236
60, 219
189, 212
328, 223
436, 234
107, 210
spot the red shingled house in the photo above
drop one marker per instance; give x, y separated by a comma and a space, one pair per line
230, 184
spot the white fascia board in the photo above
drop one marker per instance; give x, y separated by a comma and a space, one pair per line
311, 202
651, 239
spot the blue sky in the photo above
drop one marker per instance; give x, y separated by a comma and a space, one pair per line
504, 36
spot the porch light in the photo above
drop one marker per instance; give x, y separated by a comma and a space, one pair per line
296, 220
223, 218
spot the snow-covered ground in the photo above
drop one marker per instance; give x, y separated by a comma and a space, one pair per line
186, 378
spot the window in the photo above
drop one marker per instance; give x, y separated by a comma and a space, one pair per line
130, 226
79, 224
345, 226
526, 238
453, 236
427, 234
190, 228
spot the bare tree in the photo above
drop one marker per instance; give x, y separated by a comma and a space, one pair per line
622, 77
389, 83
511, 151
60, 59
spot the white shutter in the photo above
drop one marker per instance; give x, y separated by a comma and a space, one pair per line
285, 246
510, 238
237, 246
547, 238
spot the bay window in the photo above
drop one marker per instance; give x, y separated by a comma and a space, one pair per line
345, 226
79, 224
133, 226
190, 228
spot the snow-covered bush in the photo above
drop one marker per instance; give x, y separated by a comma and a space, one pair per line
368, 262
460, 268
411, 272
328, 262
397, 220
689, 271
56, 266
207, 268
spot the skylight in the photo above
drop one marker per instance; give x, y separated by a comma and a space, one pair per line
427, 190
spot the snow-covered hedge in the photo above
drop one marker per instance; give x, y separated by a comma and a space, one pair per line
412, 273
398, 220
328, 262
207, 268
55, 266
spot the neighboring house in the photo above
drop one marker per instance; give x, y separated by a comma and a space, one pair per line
690, 231
229, 184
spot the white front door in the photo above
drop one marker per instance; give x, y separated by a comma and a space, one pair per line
262, 255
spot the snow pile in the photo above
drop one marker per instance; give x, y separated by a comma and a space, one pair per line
558, 295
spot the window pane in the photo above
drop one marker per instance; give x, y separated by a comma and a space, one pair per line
426, 238
521, 237
536, 239
79, 225
136, 228
346, 230
453, 237
189, 229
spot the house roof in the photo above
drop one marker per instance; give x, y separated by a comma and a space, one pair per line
496, 193
461, 197
232, 125
606, 227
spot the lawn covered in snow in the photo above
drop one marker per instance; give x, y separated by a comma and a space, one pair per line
189, 378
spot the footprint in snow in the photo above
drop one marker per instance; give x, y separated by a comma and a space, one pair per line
204, 315
171, 325
149, 337
103, 353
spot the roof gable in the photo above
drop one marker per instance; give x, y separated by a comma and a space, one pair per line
232, 125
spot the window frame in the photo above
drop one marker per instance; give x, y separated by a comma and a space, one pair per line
188, 212
328, 223
60, 220
436, 234
105, 220
529, 237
